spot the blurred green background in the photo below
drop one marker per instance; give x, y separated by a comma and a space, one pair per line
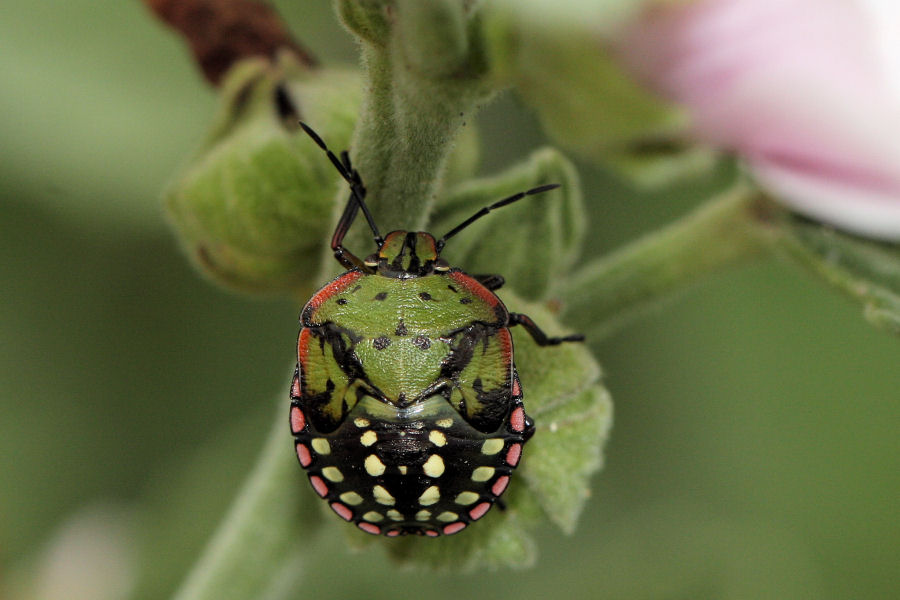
755, 451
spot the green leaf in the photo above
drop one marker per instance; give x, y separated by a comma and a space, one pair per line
572, 413
564, 456
464, 157
866, 270
531, 243
560, 58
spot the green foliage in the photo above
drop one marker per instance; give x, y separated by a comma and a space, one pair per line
427, 68
256, 201
573, 413
560, 59
255, 206
432, 37
532, 243
865, 270
367, 19
257, 198
756, 451
656, 161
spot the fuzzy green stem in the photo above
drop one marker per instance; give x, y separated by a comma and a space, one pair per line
401, 154
421, 86
256, 544
610, 292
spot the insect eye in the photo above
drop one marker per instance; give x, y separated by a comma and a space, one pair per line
441, 265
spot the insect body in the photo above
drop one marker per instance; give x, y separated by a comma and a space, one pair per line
406, 407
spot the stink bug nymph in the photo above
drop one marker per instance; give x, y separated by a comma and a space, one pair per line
406, 407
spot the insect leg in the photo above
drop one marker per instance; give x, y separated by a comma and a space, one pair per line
537, 334
491, 282
344, 256
354, 204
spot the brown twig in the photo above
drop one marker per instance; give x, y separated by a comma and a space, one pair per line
221, 32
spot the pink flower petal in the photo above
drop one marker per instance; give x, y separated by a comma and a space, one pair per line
863, 211
799, 88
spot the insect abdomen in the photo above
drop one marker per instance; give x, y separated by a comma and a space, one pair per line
421, 470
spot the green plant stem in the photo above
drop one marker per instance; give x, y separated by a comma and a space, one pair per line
257, 540
401, 154
410, 117
610, 292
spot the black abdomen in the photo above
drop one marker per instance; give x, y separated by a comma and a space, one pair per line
421, 470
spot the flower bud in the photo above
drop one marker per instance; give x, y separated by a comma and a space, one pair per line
254, 205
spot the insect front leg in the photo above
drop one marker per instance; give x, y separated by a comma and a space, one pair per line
541, 338
347, 259
356, 202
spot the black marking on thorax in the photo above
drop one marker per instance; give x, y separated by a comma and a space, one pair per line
401, 329
345, 355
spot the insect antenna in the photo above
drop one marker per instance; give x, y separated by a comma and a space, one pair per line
484, 211
351, 176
